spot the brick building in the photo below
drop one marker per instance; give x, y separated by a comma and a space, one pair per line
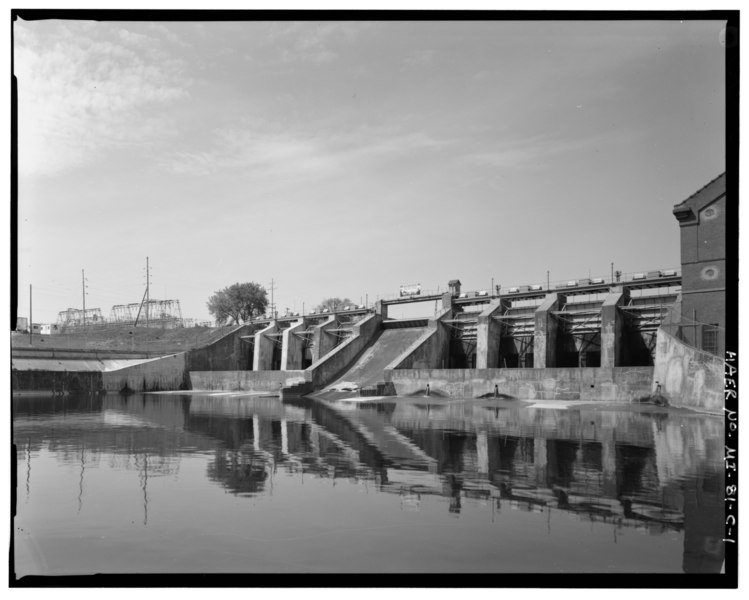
702, 220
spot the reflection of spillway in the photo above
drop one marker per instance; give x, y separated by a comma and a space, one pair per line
244, 407
369, 368
656, 473
387, 439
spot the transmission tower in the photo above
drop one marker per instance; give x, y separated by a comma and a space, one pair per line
83, 277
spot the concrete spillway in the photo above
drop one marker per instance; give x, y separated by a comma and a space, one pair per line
369, 368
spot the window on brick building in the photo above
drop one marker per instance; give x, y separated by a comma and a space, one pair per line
710, 338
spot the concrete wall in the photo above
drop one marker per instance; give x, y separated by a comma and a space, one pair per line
689, 377
75, 354
621, 384
323, 342
56, 382
226, 354
292, 351
431, 349
249, 381
262, 359
332, 364
545, 336
161, 374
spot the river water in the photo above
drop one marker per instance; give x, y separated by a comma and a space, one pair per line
230, 483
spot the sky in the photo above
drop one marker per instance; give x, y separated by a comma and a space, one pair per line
350, 158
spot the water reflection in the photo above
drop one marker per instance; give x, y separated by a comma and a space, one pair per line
649, 471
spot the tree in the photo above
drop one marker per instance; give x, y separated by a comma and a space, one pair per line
333, 304
240, 302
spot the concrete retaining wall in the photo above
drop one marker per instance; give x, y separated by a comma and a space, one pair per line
332, 364
250, 381
226, 354
56, 382
77, 376
159, 375
619, 384
689, 377
78, 354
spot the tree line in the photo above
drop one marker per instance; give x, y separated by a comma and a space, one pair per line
242, 302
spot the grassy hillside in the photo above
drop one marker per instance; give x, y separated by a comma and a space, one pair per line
125, 338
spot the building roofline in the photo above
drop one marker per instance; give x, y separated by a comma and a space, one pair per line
701, 190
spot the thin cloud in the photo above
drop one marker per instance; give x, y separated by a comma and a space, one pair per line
317, 43
164, 33
259, 151
253, 152
418, 59
531, 151
81, 95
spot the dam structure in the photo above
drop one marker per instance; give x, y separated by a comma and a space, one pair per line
658, 333
580, 340
652, 334
585, 339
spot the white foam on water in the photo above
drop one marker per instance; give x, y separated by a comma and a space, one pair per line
343, 386
363, 399
557, 404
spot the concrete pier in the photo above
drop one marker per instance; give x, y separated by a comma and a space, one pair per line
264, 348
488, 335
546, 328
613, 346
292, 350
322, 341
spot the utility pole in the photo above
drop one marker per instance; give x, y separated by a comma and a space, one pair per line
547, 281
148, 285
272, 301
612, 272
31, 320
83, 282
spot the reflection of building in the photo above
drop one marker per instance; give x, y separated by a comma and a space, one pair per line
702, 219
617, 469
704, 517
